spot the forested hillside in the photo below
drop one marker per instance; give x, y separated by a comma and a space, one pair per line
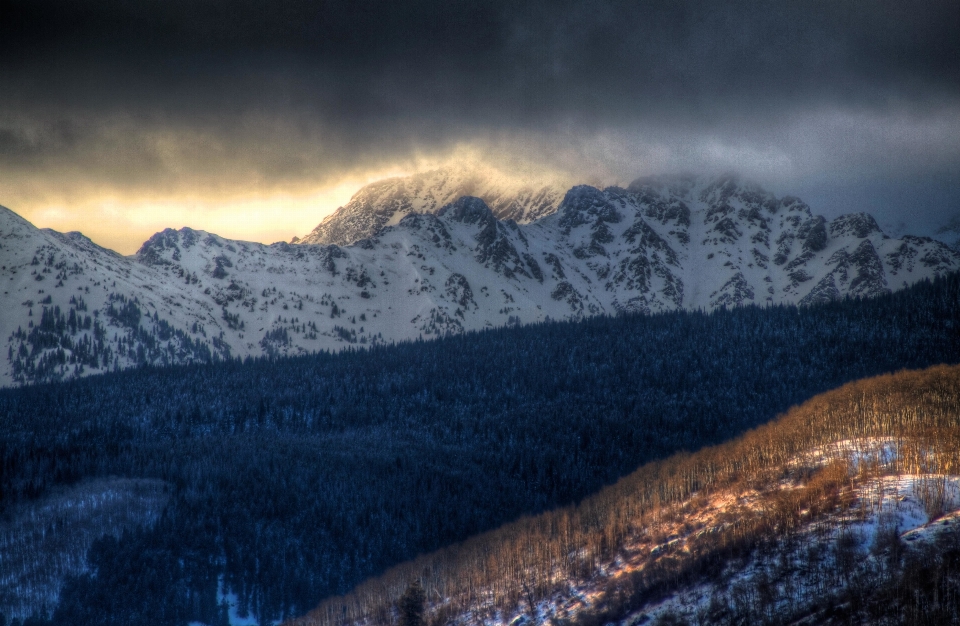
296, 479
799, 521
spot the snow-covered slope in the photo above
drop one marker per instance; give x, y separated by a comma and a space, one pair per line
386, 202
71, 307
810, 566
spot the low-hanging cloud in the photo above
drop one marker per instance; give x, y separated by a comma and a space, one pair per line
176, 98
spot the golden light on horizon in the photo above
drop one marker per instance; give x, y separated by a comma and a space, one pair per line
123, 218
123, 221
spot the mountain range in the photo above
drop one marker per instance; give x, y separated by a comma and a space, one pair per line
433, 254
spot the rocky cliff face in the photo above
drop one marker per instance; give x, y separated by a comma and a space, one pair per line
73, 308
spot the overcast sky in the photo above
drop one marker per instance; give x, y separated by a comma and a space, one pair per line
255, 119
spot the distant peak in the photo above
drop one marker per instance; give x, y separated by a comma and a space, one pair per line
859, 225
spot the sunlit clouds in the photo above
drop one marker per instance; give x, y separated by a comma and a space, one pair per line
123, 222
256, 120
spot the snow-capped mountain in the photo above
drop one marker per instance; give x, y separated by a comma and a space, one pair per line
71, 307
386, 202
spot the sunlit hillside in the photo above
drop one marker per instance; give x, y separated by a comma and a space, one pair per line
844, 509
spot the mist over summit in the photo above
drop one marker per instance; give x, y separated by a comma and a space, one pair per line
439, 253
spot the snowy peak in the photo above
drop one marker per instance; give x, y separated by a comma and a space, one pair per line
720, 242
588, 205
729, 190
469, 210
659, 245
385, 203
859, 225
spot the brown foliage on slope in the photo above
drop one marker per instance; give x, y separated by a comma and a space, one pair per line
527, 560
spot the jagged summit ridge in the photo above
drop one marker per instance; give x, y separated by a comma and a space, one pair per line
386, 202
73, 308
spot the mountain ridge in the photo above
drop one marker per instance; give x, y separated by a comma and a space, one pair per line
385, 202
658, 245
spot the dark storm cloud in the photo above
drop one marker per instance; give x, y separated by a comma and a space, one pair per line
494, 62
158, 92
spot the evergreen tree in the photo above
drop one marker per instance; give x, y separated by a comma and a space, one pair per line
411, 605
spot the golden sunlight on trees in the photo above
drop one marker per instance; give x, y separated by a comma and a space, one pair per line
819, 458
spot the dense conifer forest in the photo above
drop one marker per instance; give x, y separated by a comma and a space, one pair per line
766, 525
296, 479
